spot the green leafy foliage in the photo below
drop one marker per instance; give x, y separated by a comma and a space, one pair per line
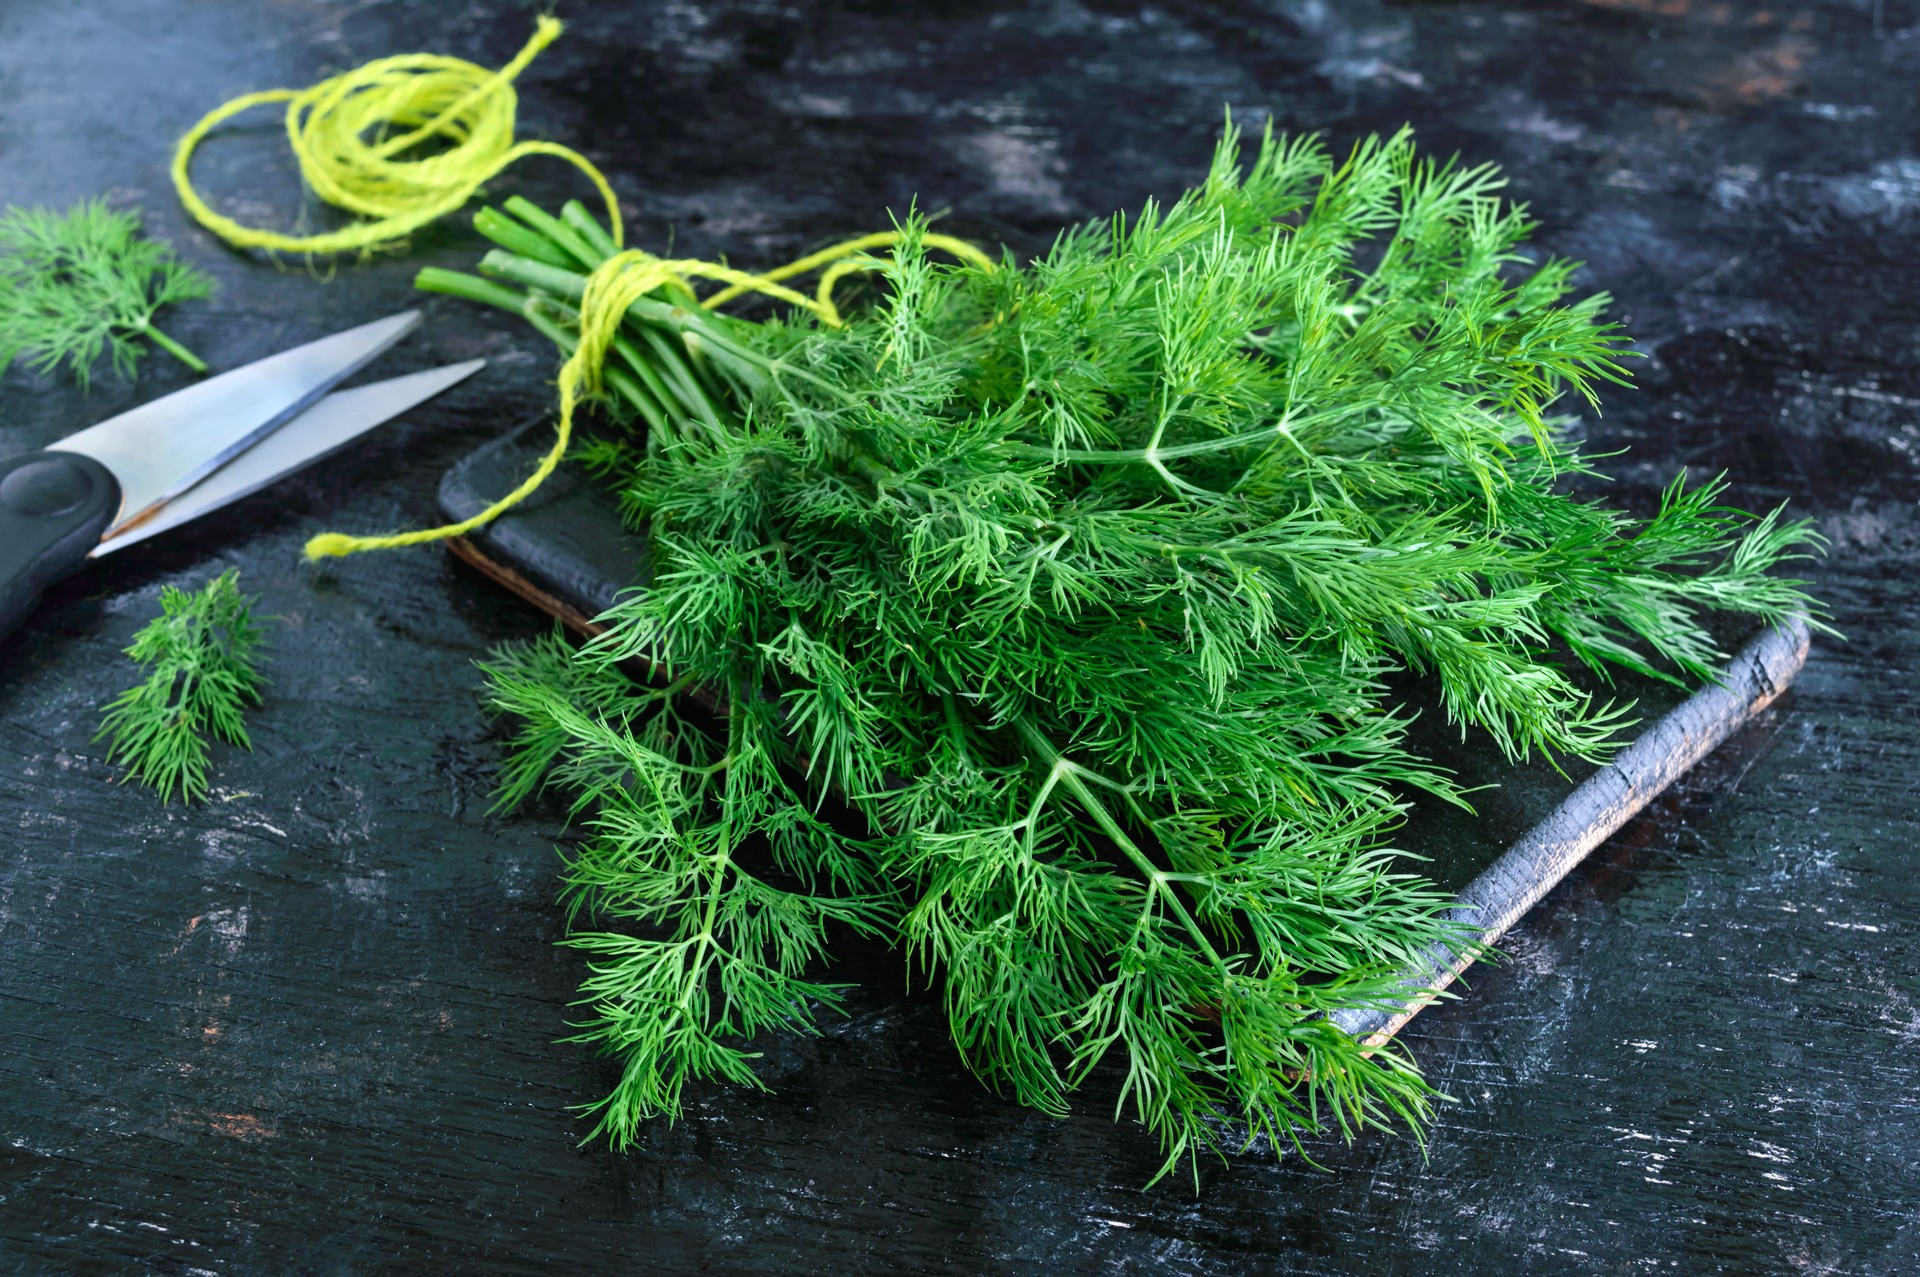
203, 654
1082, 583
77, 283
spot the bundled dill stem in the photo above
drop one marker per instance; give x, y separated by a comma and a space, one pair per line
1082, 583
205, 668
76, 283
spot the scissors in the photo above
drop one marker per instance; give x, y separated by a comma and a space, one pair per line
174, 459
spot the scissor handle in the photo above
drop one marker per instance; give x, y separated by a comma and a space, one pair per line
54, 507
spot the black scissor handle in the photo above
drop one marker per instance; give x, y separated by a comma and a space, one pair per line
54, 508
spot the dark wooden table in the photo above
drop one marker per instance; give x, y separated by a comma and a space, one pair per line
309, 1026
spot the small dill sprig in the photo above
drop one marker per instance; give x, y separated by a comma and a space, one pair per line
76, 283
203, 652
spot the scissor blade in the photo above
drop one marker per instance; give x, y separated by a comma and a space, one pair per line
160, 449
328, 426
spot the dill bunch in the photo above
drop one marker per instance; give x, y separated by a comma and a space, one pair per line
77, 283
1082, 582
203, 654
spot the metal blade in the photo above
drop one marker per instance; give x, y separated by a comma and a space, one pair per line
160, 449
328, 426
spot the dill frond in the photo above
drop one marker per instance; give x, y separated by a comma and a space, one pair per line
78, 283
1082, 582
203, 654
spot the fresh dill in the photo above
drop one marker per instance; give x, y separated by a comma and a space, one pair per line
204, 659
1082, 583
77, 283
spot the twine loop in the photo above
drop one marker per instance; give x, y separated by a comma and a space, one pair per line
352, 135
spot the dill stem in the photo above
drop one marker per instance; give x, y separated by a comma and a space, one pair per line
554, 231
649, 377
687, 387
1158, 880
622, 382
174, 348
1281, 429
722, 862
671, 383
569, 286
515, 238
694, 325
453, 283
575, 214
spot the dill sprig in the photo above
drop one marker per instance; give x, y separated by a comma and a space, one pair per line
203, 652
76, 283
1082, 583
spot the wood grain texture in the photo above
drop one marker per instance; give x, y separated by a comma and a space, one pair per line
310, 1027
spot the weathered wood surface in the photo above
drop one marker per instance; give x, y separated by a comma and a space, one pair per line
309, 1027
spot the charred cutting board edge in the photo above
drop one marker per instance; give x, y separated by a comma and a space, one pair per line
1605, 801
500, 574
563, 548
